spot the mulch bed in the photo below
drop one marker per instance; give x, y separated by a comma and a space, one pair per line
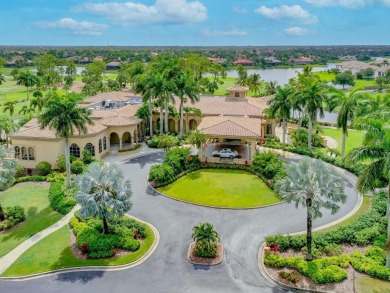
210, 261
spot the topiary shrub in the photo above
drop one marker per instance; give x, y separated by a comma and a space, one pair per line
61, 163
43, 168
77, 167
20, 171
87, 156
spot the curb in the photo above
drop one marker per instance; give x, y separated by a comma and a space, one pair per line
203, 264
135, 263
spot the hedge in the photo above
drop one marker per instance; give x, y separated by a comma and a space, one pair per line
130, 149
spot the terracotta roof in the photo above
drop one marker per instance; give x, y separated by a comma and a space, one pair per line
128, 110
231, 126
242, 61
31, 123
237, 88
100, 114
261, 103
358, 65
113, 96
120, 121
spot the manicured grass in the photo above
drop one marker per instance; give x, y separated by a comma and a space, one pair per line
354, 139
53, 252
371, 285
363, 208
34, 199
324, 75
222, 188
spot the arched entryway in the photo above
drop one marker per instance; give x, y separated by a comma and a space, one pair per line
126, 140
171, 125
114, 141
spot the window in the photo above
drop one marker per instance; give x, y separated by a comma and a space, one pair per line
89, 146
74, 150
269, 129
17, 152
24, 153
237, 95
104, 143
100, 146
31, 155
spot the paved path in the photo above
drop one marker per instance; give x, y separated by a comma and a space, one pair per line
168, 270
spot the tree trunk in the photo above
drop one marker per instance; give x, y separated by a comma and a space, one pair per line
309, 133
284, 130
67, 161
150, 118
181, 117
166, 117
2, 217
27, 93
309, 227
105, 226
343, 144
7, 139
388, 228
161, 120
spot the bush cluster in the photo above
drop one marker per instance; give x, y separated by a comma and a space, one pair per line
136, 147
325, 270
371, 263
37, 178
13, 215
269, 165
205, 249
61, 200
20, 171
77, 167
292, 277
122, 235
299, 138
155, 141
43, 168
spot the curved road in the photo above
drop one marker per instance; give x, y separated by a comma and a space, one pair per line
167, 270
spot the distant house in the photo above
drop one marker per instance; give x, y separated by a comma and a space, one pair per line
10, 64
348, 58
301, 61
113, 65
272, 62
84, 60
243, 62
216, 60
358, 66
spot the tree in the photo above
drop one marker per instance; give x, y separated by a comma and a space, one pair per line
270, 88
254, 83
197, 138
14, 73
7, 168
25, 110
242, 75
27, 79
103, 193
377, 149
345, 78
314, 185
205, 233
368, 73
2, 78
8, 126
281, 106
9, 106
63, 116
347, 112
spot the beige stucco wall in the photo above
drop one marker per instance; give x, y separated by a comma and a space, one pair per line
81, 141
232, 94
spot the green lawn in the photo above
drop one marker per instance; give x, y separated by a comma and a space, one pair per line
231, 81
354, 139
371, 285
222, 188
33, 198
53, 252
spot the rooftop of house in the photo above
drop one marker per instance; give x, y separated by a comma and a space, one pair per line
359, 65
242, 61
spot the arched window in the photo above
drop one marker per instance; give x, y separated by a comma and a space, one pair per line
104, 143
31, 154
17, 152
269, 129
89, 146
74, 150
100, 146
24, 153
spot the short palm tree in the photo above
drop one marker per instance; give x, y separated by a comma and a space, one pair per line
27, 79
103, 193
196, 137
25, 110
314, 185
64, 117
166, 141
205, 233
10, 107
254, 83
281, 105
161, 173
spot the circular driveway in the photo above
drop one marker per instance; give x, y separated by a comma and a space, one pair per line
167, 270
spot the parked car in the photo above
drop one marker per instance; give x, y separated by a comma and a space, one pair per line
225, 153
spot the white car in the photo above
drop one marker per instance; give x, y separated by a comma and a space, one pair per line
225, 153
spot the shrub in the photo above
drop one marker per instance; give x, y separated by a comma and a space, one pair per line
205, 249
267, 164
330, 274
332, 249
129, 243
60, 201
13, 215
61, 163
101, 254
20, 171
77, 167
87, 157
300, 138
43, 168
30, 178
292, 277
136, 147
369, 266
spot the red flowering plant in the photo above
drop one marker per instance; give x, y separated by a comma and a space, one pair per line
84, 248
135, 235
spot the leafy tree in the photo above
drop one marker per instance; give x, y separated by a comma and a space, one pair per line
281, 105
103, 193
8, 126
14, 73
368, 73
345, 78
27, 79
314, 185
113, 85
10, 107
64, 117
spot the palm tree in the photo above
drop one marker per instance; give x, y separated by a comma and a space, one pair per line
7, 173
377, 149
270, 88
254, 83
27, 79
2, 78
8, 126
205, 233
161, 173
281, 106
347, 112
197, 138
64, 117
25, 110
103, 193
9, 106
314, 185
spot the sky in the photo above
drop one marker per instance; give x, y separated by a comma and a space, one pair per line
194, 22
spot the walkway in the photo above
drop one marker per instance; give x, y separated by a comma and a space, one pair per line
168, 270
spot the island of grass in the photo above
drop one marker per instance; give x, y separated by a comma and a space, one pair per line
222, 188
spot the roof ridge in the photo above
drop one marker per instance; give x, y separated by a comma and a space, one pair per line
241, 125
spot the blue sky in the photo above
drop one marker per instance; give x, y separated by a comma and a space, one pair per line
195, 22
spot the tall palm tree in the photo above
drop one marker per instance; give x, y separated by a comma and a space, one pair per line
7, 173
64, 117
347, 112
205, 233
103, 193
187, 90
314, 185
281, 105
8, 126
10, 107
254, 83
140, 85
27, 79
377, 149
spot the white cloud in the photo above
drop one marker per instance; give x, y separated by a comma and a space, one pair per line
351, 4
296, 31
162, 11
76, 27
240, 10
232, 32
285, 12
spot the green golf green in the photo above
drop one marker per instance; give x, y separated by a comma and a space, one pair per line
222, 188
